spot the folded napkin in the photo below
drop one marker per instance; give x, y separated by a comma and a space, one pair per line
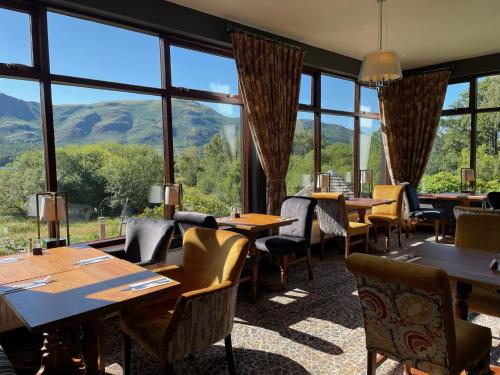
25, 286
148, 284
102, 258
408, 258
9, 260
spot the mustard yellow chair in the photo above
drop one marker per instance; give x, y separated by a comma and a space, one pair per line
334, 220
203, 312
388, 216
408, 317
479, 232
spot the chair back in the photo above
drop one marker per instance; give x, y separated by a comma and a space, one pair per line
186, 220
332, 213
394, 192
493, 199
213, 256
147, 240
477, 231
301, 208
407, 310
411, 196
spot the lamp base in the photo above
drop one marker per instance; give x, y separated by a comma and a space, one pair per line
52, 242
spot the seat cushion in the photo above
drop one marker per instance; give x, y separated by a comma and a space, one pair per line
471, 341
427, 214
380, 219
281, 244
358, 228
146, 325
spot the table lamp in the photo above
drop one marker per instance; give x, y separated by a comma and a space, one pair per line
53, 208
366, 180
323, 182
173, 195
468, 180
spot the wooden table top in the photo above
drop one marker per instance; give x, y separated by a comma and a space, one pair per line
367, 202
256, 222
461, 264
454, 197
78, 293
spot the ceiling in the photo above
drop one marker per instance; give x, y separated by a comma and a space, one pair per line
423, 32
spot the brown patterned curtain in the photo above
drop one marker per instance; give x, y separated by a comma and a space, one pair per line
410, 111
269, 74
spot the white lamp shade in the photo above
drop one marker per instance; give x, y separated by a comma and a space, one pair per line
380, 66
324, 182
156, 194
366, 177
172, 196
468, 175
48, 209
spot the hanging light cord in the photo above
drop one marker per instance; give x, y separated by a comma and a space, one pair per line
380, 26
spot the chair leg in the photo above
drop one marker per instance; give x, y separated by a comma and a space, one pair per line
167, 368
436, 229
309, 263
399, 235
387, 238
372, 363
284, 271
407, 228
367, 239
347, 246
126, 353
322, 238
375, 233
231, 365
442, 228
407, 370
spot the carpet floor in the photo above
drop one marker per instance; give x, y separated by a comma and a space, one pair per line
315, 327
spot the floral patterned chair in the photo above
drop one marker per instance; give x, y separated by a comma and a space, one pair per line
408, 317
202, 311
476, 231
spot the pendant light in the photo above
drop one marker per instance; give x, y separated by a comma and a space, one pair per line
382, 66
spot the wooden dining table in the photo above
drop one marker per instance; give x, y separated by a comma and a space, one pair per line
251, 225
74, 296
467, 268
363, 204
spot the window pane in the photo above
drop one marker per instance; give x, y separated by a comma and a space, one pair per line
337, 133
109, 148
203, 71
488, 152
457, 96
371, 148
89, 49
22, 172
337, 93
450, 152
305, 96
15, 37
207, 155
488, 92
301, 166
369, 100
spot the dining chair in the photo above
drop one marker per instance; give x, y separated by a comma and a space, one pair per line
5, 365
476, 231
422, 216
147, 241
201, 311
493, 199
334, 220
292, 239
187, 219
408, 317
387, 216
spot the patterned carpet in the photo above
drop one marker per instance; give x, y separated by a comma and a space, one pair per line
314, 327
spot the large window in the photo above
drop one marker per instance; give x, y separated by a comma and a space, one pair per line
15, 37
305, 96
301, 165
207, 155
337, 93
457, 96
371, 148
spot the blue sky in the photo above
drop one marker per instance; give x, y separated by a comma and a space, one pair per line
93, 50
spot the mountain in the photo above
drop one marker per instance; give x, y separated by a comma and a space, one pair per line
120, 121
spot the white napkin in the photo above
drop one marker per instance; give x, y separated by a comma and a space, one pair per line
9, 260
26, 286
149, 283
102, 258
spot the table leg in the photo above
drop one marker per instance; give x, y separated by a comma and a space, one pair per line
461, 296
255, 276
90, 345
56, 358
361, 215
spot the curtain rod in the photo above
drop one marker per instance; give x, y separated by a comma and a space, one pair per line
231, 29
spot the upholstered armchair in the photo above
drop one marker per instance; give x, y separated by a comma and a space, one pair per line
200, 313
147, 241
333, 220
478, 231
186, 220
419, 215
387, 216
460, 210
408, 317
294, 238
493, 199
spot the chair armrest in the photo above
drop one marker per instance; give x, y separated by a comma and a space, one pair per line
174, 272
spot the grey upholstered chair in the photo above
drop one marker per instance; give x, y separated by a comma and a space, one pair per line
148, 240
293, 238
186, 220
5, 365
493, 199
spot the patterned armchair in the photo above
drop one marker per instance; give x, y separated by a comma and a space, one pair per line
388, 216
202, 310
334, 220
475, 231
408, 317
